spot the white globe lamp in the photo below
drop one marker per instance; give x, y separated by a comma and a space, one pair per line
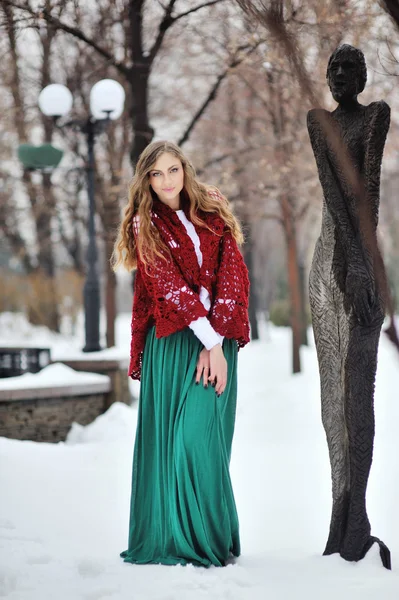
55, 100
107, 98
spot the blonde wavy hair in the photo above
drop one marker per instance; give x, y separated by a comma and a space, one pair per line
149, 244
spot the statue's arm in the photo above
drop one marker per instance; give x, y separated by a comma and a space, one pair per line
359, 281
377, 130
339, 204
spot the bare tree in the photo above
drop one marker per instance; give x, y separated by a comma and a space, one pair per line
136, 66
41, 197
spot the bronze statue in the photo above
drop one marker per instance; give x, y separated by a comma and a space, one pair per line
346, 295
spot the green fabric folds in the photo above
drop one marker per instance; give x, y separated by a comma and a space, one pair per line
182, 504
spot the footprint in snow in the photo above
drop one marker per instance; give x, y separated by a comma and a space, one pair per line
88, 568
6, 524
43, 559
8, 581
100, 594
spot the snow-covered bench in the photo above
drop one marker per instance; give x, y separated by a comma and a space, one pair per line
43, 406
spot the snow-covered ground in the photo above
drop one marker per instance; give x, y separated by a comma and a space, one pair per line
64, 507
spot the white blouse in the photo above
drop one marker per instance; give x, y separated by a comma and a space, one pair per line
201, 326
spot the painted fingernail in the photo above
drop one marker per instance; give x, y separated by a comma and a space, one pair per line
213, 384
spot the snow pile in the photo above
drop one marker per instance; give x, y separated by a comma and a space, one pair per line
118, 423
15, 330
55, 375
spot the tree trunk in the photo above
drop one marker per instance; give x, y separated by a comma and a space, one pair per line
142, 131
138, 80
252, 309
293, 280
111, 217
304, 316
45, 211
46, 251
111, 283
244, 211
110, 303
43, 289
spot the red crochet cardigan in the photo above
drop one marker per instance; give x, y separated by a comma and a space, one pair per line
167, 294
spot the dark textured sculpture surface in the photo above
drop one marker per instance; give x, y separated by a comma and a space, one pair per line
347, 302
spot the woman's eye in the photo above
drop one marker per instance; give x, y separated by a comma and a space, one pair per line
155, 174
175, 169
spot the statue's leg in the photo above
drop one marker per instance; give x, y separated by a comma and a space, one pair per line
360, 372
331, 336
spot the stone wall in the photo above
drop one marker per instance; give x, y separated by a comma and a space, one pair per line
48, 419
45, 414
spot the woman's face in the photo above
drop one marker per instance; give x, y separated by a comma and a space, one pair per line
167, 179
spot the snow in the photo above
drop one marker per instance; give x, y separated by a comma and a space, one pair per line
64, 507
55, 375
114, 353
16, 332
116, 424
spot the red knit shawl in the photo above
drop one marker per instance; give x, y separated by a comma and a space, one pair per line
167, 293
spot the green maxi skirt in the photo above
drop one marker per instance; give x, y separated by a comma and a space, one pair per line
182, 503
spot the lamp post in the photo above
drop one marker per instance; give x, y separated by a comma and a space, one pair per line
107, 99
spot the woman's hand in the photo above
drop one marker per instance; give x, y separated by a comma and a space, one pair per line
212, 366
203, 367
218, 364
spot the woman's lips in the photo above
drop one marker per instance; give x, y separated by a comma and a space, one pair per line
168, 189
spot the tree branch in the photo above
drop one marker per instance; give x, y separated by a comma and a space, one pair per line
168, 21
164, 25
270, 216
237, 60
74, 31
271, 16
301, 213
192, 10
221, 158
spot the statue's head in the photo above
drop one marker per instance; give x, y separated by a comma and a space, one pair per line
346, 73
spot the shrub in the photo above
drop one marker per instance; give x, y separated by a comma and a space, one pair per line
280, 313
45, 301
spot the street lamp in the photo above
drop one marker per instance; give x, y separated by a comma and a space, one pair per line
107, 99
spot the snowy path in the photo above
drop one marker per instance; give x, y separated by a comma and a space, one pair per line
64, 508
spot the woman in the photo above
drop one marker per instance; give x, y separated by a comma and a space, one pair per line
189, 319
